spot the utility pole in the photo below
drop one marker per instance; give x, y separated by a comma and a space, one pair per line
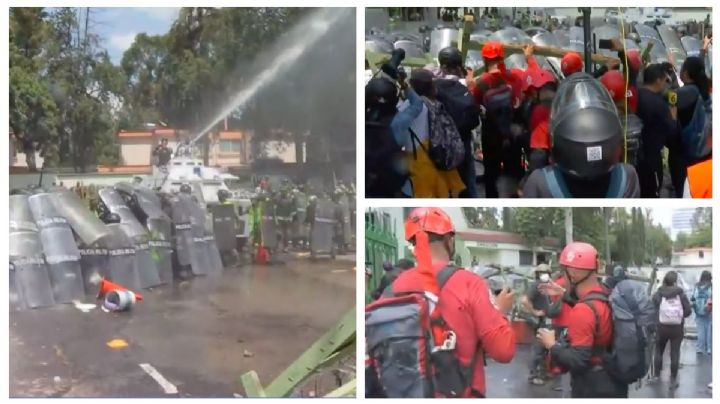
587, 33
606, 217
568, 226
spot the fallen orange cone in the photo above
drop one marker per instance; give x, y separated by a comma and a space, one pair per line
106, 287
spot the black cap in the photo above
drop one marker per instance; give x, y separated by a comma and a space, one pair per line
381, 92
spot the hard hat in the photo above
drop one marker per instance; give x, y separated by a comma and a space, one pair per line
634, 60
571, 63
614, 82
428, 220
585, 128
450, 57
493, 50
537, 78
580, 256
380, 91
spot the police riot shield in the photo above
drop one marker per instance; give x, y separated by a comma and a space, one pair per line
95, 266
122, 265
189, 248
213, 255
58, 245
88, 227
268, 227
159, 229
223, 226
147, 268
633, 130
28, 271
17, 300
299, 225
323, 228
345, 225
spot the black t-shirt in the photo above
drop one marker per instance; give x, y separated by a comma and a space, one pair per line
659, 129
163, 153
538, 300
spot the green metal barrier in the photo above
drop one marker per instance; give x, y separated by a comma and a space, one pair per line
339, 342
380, 246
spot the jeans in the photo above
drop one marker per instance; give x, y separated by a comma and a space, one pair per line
704, 331
467, 172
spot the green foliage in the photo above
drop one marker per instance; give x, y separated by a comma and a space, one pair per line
483, 218
702, 232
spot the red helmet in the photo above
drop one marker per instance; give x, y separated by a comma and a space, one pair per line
537, 78
614, 81
633, 57
521, 76
571, 63
493, 50
579, 255
428, 220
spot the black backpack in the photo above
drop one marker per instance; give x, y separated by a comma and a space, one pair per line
460, 104
498, 103
385, 172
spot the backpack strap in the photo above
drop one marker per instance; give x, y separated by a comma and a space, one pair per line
618, 181
414, 137
442, 277
555, 182
588, 300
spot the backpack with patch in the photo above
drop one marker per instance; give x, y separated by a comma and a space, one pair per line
385, 171
671, 311
694, 135
460, 104
402, 355
446, 149
558, 187
498, 103
628, 358
701, 295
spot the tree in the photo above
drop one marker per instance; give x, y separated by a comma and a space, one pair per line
681, 242
483, 218
702, 229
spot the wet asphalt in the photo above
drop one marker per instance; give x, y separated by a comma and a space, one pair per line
201, 335
511, 380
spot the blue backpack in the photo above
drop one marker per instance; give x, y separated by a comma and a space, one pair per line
700, 297
558, 187
694, 134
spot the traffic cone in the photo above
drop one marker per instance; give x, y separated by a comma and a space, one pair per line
262, 256
106, 287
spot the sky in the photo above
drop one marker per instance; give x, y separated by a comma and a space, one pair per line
117, 27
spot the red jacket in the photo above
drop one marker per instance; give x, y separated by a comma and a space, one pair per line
492, 80
562, 319
466, 306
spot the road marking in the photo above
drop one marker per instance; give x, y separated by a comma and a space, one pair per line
168, 387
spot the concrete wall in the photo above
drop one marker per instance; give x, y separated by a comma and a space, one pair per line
136, 151
692, 258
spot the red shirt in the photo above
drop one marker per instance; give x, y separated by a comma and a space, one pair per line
492, 80
539, 114
465, 305
562, 319
540, 136
582, 326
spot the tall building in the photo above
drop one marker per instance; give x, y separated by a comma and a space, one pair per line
682, 221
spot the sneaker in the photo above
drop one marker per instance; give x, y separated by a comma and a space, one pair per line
674, 384
538, 381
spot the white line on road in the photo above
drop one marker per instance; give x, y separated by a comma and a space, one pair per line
160, 379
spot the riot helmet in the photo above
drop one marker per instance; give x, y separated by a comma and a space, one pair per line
585, 128
223, 195
381, 94
185, 189
450, 58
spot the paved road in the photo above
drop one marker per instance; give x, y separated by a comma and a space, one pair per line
510, 380
195, 334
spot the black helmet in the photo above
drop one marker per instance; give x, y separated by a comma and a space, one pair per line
111, 218
223, 194
450, 57
381, 93
185, 189
585, 128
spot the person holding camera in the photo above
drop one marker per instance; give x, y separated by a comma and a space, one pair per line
660, 128
536, 305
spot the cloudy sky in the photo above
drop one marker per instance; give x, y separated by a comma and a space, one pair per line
117, 27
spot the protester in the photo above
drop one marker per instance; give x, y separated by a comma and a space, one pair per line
163, 153
426, 180
590, 327
586, 136
465, 310
660, 127
391, 273
702, 306
673, 307
536, 305
458, 102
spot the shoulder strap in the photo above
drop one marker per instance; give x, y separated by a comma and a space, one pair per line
445, 274
414, 138
555, 183
618, 181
